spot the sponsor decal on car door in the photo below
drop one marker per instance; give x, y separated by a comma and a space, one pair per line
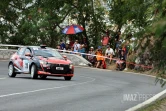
25, 67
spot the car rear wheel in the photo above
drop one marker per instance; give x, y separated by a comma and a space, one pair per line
67, 78
34, 74
11, 71
43, 76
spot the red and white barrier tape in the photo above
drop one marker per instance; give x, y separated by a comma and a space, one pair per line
141, 65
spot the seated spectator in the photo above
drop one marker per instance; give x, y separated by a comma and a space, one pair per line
121, 61
72, 50
82, 50
99, 59
91, 58
59, 48
76, 46
109, 53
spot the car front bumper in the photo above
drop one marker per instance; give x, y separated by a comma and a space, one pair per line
51, 74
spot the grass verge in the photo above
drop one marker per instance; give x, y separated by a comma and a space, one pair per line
159, 105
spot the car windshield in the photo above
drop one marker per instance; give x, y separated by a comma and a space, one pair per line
47, 53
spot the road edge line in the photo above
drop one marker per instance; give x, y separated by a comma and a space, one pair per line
148, 102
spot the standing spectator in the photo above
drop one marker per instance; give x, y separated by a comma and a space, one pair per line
99, 59
76, 46
82, 50
117, 37
67, 46
126, 49
117, 42
109, 53
71, 42
84, 41
62, 45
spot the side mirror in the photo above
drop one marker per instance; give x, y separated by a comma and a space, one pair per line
28, 54
65, 57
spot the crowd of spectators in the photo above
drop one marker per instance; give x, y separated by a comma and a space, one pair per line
100, 56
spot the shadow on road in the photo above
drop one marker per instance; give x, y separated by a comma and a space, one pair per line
47, 79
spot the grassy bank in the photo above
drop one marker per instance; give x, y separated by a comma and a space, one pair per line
159, 105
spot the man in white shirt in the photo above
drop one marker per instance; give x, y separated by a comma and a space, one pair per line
109, 53
76, 46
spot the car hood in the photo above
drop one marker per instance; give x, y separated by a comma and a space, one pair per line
54, 60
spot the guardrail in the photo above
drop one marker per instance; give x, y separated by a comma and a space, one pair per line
7, 50
5, 54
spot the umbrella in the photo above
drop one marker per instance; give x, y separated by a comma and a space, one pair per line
72, 29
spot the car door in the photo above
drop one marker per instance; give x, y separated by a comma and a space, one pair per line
26, 58
17, 61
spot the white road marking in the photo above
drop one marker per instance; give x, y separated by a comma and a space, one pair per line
2, 78
38, 90
149, 101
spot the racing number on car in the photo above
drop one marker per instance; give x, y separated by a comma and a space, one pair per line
25, 65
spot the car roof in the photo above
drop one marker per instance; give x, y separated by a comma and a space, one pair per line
37, 47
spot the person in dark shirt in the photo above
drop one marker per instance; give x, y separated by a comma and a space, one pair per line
121, 60
117, 42
62, 45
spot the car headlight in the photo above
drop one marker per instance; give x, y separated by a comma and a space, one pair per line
43, 62
71, 66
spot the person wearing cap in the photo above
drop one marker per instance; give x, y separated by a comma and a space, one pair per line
99, 53
91, 58
109, 53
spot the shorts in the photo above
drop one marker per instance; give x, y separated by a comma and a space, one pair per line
119, 62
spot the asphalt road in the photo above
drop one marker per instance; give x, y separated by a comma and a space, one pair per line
89, 90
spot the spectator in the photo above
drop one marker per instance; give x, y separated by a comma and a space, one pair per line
71, 42
117, 42
58, 47
91, 58
67, 46
72, 50
99, 59
76, 46
82, 50
124, 48
109, 53
121, 61
117, 37
62, 45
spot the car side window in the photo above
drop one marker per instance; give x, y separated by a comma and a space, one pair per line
20, 51
27, 51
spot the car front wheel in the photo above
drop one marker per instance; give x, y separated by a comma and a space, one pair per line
34, 74
43, 76
11, 71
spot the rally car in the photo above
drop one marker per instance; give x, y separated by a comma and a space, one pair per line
40, 61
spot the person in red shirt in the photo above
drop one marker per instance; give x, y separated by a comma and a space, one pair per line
105, 40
